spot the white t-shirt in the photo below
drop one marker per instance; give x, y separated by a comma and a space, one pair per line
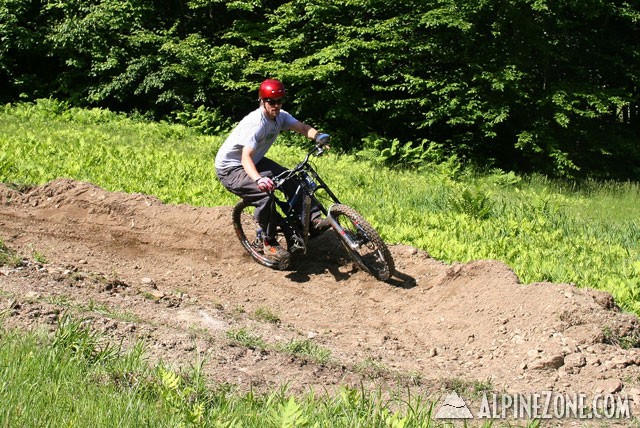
255, 130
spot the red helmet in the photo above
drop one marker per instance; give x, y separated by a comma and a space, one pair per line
271, 88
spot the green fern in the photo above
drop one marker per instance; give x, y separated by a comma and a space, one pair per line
477, 205
289, 415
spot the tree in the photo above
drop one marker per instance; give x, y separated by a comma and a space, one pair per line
23, 56
532, 85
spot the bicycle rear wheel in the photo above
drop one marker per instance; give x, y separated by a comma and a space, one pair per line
369, 250
246, 228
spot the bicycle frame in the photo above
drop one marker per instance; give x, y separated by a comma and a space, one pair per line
308, 183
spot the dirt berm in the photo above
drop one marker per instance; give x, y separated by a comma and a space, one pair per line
176, 277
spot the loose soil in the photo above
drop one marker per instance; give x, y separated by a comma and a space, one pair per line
176, 277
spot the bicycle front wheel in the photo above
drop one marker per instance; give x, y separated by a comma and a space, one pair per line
246, 228
363, 243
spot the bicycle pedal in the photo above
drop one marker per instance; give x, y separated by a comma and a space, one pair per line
296, 245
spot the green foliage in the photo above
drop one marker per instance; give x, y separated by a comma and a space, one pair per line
204, 120
74, 379
181, 399
538, 86
474, 204
8, 257
129, 160
392, 153
79, 341
265, 314
289, 415
23, 57
39, 257
42, 386
307, 349
371, 368
245, 338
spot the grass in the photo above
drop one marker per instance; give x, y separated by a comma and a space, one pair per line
371, 368
9, 257
107, 149
71, 381
243, 337
76, 378
266, 315
304, 349
307, 350
544, 230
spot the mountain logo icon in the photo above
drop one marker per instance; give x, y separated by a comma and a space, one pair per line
454, 407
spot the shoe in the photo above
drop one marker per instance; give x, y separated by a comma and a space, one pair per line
274, 251
319, 225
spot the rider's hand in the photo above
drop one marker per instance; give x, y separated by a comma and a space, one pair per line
322, 139
265, 184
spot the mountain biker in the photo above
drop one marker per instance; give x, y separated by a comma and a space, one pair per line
243, 169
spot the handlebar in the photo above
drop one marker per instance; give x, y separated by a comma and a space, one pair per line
316, 150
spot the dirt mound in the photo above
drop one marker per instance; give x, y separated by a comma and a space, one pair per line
176, 277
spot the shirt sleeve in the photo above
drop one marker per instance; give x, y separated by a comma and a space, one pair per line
249, 137
288, 120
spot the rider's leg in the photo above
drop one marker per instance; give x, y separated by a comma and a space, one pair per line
239, 183
269, 168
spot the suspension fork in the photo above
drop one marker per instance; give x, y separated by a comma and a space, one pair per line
306, 217
340, 231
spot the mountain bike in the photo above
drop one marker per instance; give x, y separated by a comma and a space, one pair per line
292, 222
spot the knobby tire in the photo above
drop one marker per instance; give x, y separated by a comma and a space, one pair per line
372, 254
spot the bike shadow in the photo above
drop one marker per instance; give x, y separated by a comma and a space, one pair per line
325, 253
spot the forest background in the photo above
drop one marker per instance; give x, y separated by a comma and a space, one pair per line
520, 85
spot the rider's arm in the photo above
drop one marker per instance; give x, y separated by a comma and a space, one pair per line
304, 129
247, 163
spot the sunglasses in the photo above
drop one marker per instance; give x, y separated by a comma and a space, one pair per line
273, 102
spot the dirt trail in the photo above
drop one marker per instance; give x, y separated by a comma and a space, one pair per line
177, 277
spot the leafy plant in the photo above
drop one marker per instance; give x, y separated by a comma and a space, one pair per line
307, 349
476, 205
504, 179
265, 314
78, 340
289, 415
204, 120
527, 99
181, 398
244, 338
393, 153
9, 257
